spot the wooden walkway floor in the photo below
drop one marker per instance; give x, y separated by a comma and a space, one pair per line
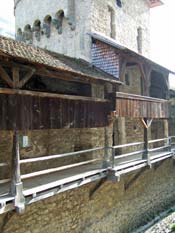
44, 186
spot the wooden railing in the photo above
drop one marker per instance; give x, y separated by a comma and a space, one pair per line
151, 155
158, 149
136, 106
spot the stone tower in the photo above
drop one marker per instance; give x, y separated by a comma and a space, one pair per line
64, 26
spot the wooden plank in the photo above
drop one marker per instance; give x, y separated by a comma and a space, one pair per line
15, 71
5, 76
26, 78
49, 95
139, 97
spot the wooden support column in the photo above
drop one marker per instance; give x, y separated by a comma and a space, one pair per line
16, 183
146, 73
107, 159
15, 71
119, 135
146, 154
166, 132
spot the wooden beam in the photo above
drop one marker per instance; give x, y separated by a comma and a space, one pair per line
15, 71
49, 95
5, 76
146, 155
16, 183
128, 184
27, 77
122, 69
97, 187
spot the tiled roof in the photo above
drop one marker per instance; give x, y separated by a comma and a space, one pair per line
30, 54
154, 3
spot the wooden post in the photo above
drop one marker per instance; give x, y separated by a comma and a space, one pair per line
146, 144
106, 161
166, 133
16, 183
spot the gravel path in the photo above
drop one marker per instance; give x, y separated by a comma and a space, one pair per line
161, 224
164, 225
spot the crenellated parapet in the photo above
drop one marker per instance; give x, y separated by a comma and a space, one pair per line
44, 27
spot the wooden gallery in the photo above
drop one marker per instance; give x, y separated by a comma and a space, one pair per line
66, 123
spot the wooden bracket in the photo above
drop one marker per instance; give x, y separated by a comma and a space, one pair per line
26, 78
133, 179
157, 165
146, 124
4, 75
97, 187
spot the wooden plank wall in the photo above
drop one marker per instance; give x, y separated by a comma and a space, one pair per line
141, 107
25, 112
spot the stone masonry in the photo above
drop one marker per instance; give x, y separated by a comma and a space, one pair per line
90, 16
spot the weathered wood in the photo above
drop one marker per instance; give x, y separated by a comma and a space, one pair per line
15, 71
27, 77
16, 183
5, 76
129, 105
49, 95
26, 110
146, 154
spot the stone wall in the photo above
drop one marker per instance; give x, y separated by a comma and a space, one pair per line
128, 18
113, 208
70, 42
50, 142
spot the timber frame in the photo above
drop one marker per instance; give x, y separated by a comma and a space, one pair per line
25, 109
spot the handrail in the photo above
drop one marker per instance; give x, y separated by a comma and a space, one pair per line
4, 164
129, 154
127, 145
157, 140
59, 155
52, 170
159, 148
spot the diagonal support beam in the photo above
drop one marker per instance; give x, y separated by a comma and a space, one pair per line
97, 186
5, 76
27, 77
134, 179
147, 123
15, 71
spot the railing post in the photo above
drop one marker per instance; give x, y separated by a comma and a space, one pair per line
146, 145
16, 183
113, 157
106, 161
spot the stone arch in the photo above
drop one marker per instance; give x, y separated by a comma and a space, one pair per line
27, 34
19, 35
58, 21
37, 29
46, 28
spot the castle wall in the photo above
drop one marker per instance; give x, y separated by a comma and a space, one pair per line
128, 18
91, 15
114, 207
74, 43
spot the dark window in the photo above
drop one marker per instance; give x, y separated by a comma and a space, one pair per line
127, 81
119, 3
